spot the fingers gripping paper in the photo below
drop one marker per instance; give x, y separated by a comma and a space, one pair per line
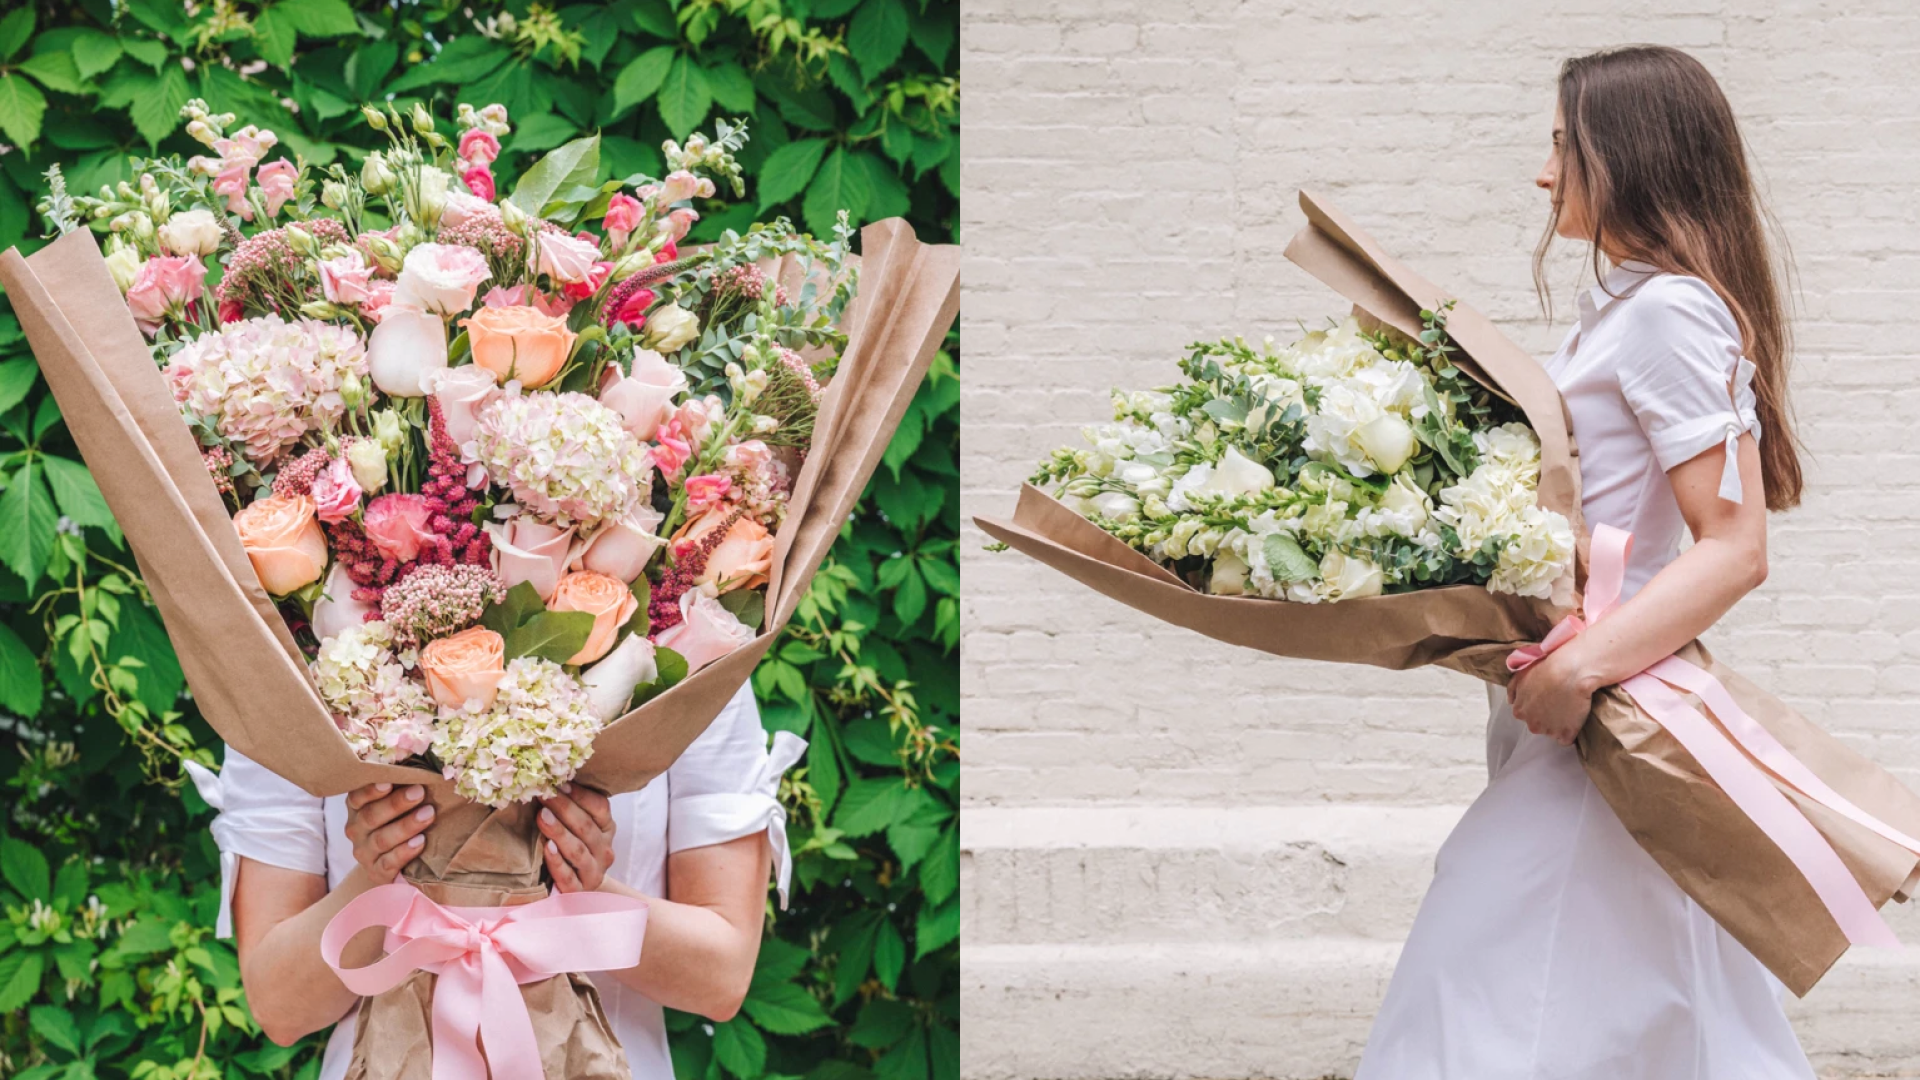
248, 677
1691, 827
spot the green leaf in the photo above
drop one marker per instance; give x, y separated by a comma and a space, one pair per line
16, 378
578, 162
21, 688
70, 885
787, 170
25, 868
841, 184
656, 18
732, 87
747, 605
889, 954
868, 806
56, 71
907, 1060
785, 1009
543, 131
320, 18
157, 113
684, 96
779, 962
832, 9
146, 937
938, 926
27, 522
551, 635
57, 1027
466, 59
881, 1023
672, 668
740, 1048
369, 66
146, 50
15, 29
141, 637
876, 35
274, 35
1287, 561
521, 603
21, 107
940, 872
933, 32
641, 79
19, 978
76, 493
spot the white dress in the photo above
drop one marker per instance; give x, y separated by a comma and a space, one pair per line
1550, 946
721, 789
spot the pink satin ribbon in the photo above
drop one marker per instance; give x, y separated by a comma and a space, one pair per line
481, 956
1737, 758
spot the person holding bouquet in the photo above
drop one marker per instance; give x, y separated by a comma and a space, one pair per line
695, 844
1550, 943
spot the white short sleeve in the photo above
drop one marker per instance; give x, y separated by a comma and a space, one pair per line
1679, 355
727, 784
263, 817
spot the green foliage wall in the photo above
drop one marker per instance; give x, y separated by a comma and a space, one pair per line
108, 880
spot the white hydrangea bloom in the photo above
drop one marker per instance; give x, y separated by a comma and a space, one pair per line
385, 714
534, 736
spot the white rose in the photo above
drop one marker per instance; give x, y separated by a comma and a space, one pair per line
403, 347
368, 460
191, 232
440, 278
670, 328
1388, 442
1348, 577
610, 682
124, 264
1229, 576
1236, 474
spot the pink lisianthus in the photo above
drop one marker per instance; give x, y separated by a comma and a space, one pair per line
397, 525
336, 494
440, 278
706, 631
462, 207
379, 296
479, 180
346, 278
566, 259
581, 290
697, 417
276, 184
164, 285
707, 489
461, 392
623, 216
480, 147
505, 296
671, 448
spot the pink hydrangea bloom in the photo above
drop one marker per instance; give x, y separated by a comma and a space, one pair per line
566, 457
266, 382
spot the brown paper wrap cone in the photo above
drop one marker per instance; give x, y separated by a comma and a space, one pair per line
252, 684
1676, 813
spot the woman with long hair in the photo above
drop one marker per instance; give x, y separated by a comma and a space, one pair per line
1550, 944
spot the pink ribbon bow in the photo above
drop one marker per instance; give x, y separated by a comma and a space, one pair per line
1738, 773
481, 955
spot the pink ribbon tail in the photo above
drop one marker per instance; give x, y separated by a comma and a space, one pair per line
480, 957
1734, 758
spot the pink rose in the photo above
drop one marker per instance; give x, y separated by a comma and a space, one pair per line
678, 223
530, 551
276, 184
644, 398
336, 494
461, 392
622, 549
397, 524
634, 311
163, 285
706, 490
671, 449
440, 278
527, 296
337, 612
698, 416
479, 180
623, 216
682, 185
346, 278
564, 258
706, 631
232, 182
479, 147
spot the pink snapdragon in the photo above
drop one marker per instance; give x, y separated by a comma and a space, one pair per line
479, 147
671, 448
623, 216
706, 490
276, 184
479, 180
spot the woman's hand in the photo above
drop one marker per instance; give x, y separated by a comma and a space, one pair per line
578, 825
385, 827
1552, 697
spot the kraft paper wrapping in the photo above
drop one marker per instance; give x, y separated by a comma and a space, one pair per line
1677, 814
251, 682
247, 675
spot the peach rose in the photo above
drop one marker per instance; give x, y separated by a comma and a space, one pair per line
706, 631
466, 666
519, 343
742, 561
605, 598
283, 540
530, 551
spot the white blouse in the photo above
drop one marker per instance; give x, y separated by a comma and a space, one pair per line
1653, 373
722, 788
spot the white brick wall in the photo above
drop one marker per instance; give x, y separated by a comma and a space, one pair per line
1184, 859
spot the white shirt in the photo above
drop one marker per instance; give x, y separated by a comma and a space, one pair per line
1646, 374
722, 788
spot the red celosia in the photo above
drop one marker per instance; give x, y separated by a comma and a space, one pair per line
689, 562
457, 541
296, 476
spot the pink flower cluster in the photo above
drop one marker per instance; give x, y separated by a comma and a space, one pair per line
231, 172
265, 259
565, 457
433, 601
434, 527
266, 383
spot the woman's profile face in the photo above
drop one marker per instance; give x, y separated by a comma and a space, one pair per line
1573, 223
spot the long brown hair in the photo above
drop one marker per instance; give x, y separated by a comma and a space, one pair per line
1651, 148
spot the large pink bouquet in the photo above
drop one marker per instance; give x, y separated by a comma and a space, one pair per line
505, 475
